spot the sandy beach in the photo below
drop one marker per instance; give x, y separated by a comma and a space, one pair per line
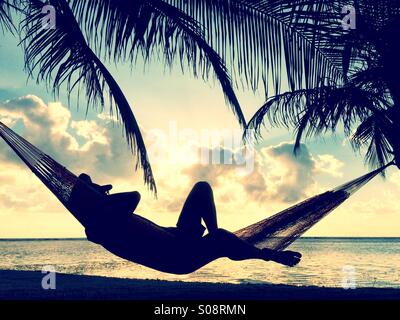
26, 285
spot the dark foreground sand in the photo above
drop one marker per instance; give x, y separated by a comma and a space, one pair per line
27, 285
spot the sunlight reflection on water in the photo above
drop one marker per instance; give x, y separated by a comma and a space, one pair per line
376, 262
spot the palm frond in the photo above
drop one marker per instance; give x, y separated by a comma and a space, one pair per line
372, 134
315, 44
321, 21
316, 111
62, 56
131, 28
256, 39
366, 103
192, 36
6, 7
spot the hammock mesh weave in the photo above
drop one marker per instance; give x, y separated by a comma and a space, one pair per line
276, 232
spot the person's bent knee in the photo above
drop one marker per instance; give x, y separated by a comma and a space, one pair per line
203, 185
132, 196
85, 177
134, 199
136, 195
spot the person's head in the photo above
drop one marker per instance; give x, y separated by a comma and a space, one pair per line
85, 177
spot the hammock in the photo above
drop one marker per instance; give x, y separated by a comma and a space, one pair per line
276, 232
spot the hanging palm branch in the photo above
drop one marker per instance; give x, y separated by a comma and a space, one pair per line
127, 29
324, 108
261, 43
62, 55
256, 39
366, 104
314, 112
6, 6
293, 45
373, 134
117, 30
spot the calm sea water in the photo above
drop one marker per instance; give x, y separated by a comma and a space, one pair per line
375, 263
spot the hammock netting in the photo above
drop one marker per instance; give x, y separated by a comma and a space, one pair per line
275, 232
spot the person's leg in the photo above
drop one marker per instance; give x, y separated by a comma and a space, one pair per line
198, 205
223, 243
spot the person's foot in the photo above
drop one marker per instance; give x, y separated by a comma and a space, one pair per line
287, 258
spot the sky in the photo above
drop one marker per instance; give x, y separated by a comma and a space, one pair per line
175, 112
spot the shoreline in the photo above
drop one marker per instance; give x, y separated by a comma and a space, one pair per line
26, 285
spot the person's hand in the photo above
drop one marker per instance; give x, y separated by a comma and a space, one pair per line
105, 189
102, 189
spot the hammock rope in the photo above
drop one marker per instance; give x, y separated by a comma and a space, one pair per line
275, 232
280, 230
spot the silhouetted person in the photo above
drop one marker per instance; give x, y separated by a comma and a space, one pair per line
109, 220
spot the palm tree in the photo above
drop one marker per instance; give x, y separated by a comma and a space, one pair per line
366, 103
243, 43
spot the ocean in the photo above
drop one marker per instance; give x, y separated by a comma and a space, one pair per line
326, 262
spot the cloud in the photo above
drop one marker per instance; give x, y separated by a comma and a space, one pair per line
290, 174
327, 163
395, 178
278, 175
91, 145
96, 146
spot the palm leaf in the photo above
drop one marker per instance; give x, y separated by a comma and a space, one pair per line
153, 28
372, 134
6, 23
315, 111
256, 39
366, 104
265, 41
62, 56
